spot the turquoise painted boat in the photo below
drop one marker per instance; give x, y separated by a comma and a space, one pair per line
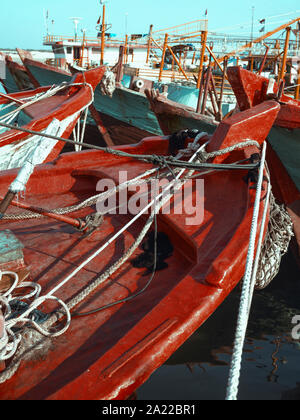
286, 143
188, 96
15, 77
126, 115
46, 75
7, 80
173, 116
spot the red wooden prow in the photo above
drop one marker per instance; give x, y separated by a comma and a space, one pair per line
252, 124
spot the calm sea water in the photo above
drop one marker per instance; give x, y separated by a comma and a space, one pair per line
271, 362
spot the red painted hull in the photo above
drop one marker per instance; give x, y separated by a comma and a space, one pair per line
251, 89
110, 354
60, 106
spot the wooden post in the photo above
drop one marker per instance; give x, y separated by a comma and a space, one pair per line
206, 88
285, 52
194, 55
251, 64
212, 55
213, 96
103, 37
119, 65
264, 59
220, 101
198, 108
149, 43
126, 50
100, 125
177, 62
163, 58
204, 39
82, 50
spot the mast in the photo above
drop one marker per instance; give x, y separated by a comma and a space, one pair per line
252, 27
102, 33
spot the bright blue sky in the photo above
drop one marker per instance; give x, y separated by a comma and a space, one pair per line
22, 22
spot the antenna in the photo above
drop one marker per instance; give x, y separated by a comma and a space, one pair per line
46, 17
76, 20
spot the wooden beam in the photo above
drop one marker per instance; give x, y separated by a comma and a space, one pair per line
100, 125
103, 37
177, 62
149, 43
204, 39
163, 58
285, 52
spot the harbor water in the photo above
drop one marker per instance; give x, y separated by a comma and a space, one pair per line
270, 369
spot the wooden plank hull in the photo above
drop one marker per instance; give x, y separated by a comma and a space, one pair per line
64, 107
9, 83
174, 117
128, 107
16, 76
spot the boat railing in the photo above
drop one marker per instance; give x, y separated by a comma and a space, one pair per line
184, 30
52, 39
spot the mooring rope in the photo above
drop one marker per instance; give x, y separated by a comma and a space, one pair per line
248, 287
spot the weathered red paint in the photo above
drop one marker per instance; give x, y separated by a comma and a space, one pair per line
251, 89
111, 353
60, 106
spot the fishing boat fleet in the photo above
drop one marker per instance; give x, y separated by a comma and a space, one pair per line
114, 252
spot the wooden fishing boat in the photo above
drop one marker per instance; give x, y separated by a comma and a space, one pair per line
173, 116
16, 76
143, 301
50, 110
284, 138
126, 115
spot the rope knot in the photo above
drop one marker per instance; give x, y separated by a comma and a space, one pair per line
159, 161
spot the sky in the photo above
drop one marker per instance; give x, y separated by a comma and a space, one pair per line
22, 23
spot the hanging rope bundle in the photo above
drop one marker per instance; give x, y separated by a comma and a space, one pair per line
276, 243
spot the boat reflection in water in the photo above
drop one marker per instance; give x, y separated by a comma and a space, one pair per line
270, 370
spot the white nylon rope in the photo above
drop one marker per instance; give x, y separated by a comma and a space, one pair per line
247, 289
79, 133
